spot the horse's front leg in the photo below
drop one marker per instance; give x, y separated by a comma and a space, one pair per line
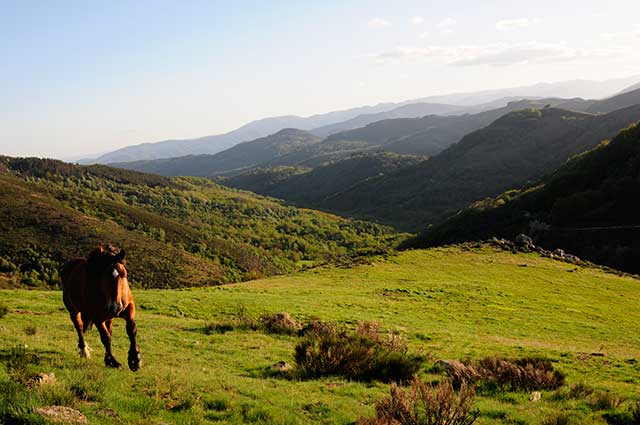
132, 331
105, 336
84, 349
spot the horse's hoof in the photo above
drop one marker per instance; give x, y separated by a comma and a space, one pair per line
85, 352
134, 361
111, 362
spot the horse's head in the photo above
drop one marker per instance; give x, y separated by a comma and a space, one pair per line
112, 281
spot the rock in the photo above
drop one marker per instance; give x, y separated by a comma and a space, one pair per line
281, 366
524, 241
43, 379
61, 415
535, 396
107, 412
559, 252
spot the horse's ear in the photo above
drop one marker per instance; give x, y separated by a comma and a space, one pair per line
120, 256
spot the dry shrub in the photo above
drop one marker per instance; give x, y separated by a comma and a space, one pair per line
494, 373
601, 400
425, 404
363, 355
316, 326
280, 323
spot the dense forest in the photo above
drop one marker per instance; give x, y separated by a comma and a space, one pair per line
588, 207
178, 232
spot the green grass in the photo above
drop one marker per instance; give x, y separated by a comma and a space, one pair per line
450, 303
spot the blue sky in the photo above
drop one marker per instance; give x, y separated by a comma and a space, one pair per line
85, 77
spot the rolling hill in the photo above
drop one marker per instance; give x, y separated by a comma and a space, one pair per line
178, 232
588, 207
519, 147
311, 186
242, 155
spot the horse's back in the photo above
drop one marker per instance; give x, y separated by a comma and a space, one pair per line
73, 276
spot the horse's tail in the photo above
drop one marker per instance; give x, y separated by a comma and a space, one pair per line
87, 323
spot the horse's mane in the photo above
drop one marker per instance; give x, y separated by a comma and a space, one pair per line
99, 259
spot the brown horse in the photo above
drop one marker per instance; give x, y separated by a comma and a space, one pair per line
96, 290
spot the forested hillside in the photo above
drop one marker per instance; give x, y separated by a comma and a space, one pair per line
588, 207
518, 148
177, 232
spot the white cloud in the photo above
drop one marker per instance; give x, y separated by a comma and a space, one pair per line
632, 35
510, 24
417, 20
424, 34
500, 54
377, 23
446, 25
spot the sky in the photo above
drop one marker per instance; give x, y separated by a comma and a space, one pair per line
79, 78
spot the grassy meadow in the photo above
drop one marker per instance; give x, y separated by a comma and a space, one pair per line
449, 303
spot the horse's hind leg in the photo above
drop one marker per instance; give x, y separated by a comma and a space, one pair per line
82, 345
105, 336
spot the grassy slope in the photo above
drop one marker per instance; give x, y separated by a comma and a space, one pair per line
449, 303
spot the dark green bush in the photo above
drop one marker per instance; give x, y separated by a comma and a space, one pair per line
363, 355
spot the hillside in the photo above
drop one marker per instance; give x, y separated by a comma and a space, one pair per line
178, 232
519, 147
412, 110
309, 187
589, 207
619, 101
242, 155
452, 303
431, 134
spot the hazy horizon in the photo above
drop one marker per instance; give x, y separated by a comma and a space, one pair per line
81, 79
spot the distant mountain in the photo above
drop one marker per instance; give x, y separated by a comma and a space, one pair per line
624, 100
585, 89
242, 155
630, 88
412, 110
589, 207
431, 134
264, 127
308, 187
515, 149
218, 143
291, 147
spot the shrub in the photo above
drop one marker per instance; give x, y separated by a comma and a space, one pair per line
425, 404
576, 392
602, 400
363, 355
30, 330
493, 373
280, 323
559, 419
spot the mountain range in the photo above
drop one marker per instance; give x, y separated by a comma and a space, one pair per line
362, 115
